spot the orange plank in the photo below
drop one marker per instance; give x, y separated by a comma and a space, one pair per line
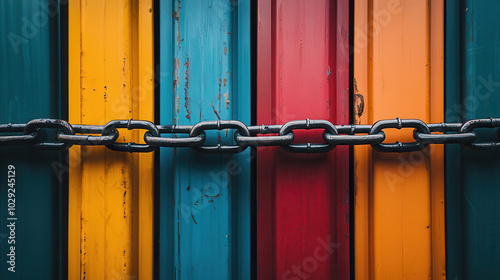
399, 198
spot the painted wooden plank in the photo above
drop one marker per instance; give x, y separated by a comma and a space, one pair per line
111, 193
303, 200
204, 199
399, 198
472, 86
30, 88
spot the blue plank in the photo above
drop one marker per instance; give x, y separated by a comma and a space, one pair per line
204, 199
472, 91
30, 87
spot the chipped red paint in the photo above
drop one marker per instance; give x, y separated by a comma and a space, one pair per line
303, 200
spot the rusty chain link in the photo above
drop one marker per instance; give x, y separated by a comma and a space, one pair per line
196, 136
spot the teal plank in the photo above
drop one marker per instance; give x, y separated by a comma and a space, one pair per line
472, 91
204, 199
30, 88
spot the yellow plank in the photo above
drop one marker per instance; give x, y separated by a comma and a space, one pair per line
399, 198
111, 193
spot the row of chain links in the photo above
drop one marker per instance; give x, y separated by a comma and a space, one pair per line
244, 136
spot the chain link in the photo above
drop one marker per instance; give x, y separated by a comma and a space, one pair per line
195, 136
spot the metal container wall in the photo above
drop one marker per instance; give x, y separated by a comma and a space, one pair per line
303, 200
111, 193
204, 225
399, 198
30, 88
472, 193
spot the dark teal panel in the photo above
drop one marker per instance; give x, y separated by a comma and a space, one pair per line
30, 88
204, 199
472, 179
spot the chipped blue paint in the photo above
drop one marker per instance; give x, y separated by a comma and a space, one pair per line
472, 91
30, 80
204, 230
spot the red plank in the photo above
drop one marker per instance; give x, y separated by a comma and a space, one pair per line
303, 200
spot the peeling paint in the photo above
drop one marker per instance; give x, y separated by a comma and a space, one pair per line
219, 92
176, 74
176, 17
226, 97
178, 104
212, 196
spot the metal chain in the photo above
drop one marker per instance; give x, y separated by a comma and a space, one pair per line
195, 136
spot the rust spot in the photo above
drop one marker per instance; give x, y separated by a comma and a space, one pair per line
186, 97
359, 104
225, 50
225, 82
178, 103
188, 188
193, 218
215, 111
211, 200
226, 131
196, 203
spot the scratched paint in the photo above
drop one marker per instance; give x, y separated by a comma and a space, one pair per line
472, 193
204, 199
303, 200
30, 88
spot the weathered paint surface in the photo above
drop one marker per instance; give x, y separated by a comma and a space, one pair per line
111, 193
399, 198
472, 91
303, 200
30, 88
204, 199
